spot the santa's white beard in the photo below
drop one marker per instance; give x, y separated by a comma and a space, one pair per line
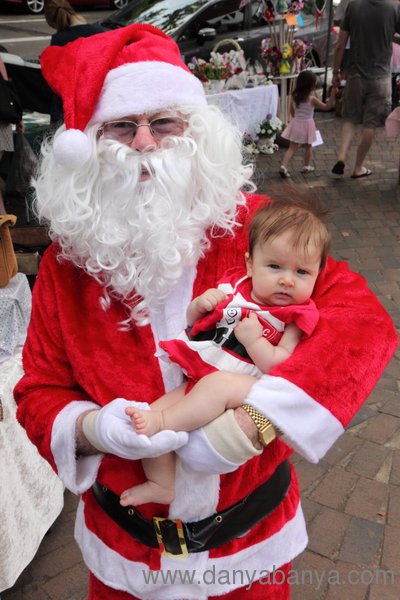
142, 233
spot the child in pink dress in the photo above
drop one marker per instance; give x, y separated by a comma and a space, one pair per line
301, 130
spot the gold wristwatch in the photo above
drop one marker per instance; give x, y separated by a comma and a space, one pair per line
266, 431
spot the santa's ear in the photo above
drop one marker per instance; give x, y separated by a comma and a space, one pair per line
249, 264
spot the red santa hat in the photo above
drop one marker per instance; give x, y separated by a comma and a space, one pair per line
129, 71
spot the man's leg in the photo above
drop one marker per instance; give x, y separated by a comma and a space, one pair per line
367, 137
352, 114
347, 136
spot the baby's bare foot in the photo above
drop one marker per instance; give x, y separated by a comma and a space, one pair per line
147, 422
147, 492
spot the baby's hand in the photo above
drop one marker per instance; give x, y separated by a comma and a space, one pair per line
207, 301
248, 330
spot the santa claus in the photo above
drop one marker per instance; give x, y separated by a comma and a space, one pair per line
147, 201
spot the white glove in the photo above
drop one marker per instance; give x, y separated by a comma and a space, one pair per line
111, 431
219, 447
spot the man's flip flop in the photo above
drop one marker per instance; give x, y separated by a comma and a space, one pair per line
366, 173
338, 168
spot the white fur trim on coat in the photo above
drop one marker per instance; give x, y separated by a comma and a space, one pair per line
168, 320
145, 87
209, 575
308, 427
80, 474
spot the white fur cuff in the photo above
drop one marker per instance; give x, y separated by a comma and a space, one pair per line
307, 426
78, 474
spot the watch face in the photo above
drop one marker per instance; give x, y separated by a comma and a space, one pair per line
267, 435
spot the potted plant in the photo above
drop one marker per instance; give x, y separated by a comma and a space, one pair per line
266, 133
249, 144
212, 75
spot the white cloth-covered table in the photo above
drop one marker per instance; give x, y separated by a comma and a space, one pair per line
15, 310
246, 108
31, 495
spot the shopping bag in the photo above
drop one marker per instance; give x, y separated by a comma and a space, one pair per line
23, 166
8, 260
10, 104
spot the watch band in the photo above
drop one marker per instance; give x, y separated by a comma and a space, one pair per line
266, 431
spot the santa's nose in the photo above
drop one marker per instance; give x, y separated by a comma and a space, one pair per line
144, 140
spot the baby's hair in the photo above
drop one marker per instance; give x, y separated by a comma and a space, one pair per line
303, 217
305, 84
58, 14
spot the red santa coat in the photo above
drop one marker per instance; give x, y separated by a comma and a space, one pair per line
76, 358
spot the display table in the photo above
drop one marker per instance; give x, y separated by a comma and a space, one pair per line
31, 495
246, 108
15, 310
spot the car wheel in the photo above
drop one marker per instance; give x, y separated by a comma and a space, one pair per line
118, 3
34, 7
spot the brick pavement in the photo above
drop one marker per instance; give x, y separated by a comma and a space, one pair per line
352, 497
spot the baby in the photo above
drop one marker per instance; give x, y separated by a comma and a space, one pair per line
238, 331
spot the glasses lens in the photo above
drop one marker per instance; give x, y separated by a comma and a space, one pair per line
125, 131
122, 131
167, 126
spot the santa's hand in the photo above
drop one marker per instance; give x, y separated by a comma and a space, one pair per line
110, 430
219, 447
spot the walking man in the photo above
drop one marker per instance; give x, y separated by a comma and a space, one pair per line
367, 96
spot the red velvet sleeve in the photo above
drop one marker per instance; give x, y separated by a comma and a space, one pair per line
342, 361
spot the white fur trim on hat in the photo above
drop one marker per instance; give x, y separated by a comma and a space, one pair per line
71, 148
147, 86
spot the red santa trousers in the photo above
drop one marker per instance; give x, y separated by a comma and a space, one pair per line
258, 591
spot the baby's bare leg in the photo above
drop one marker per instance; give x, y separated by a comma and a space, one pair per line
159, 488
209, 398
149, 422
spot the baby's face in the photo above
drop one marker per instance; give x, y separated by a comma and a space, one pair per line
282, 275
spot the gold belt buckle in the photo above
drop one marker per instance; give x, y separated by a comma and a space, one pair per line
181, 537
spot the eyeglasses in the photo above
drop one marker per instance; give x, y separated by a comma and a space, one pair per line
125, 131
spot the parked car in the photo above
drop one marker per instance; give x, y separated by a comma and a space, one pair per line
29, 83
36, 7
197, 25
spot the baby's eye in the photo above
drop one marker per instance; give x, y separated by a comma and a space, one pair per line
273, 266
302, 271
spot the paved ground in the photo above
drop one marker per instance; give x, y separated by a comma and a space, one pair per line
352, 497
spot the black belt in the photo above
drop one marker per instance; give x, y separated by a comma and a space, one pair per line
175, 538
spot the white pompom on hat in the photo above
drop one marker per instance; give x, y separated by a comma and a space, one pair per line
129, 71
